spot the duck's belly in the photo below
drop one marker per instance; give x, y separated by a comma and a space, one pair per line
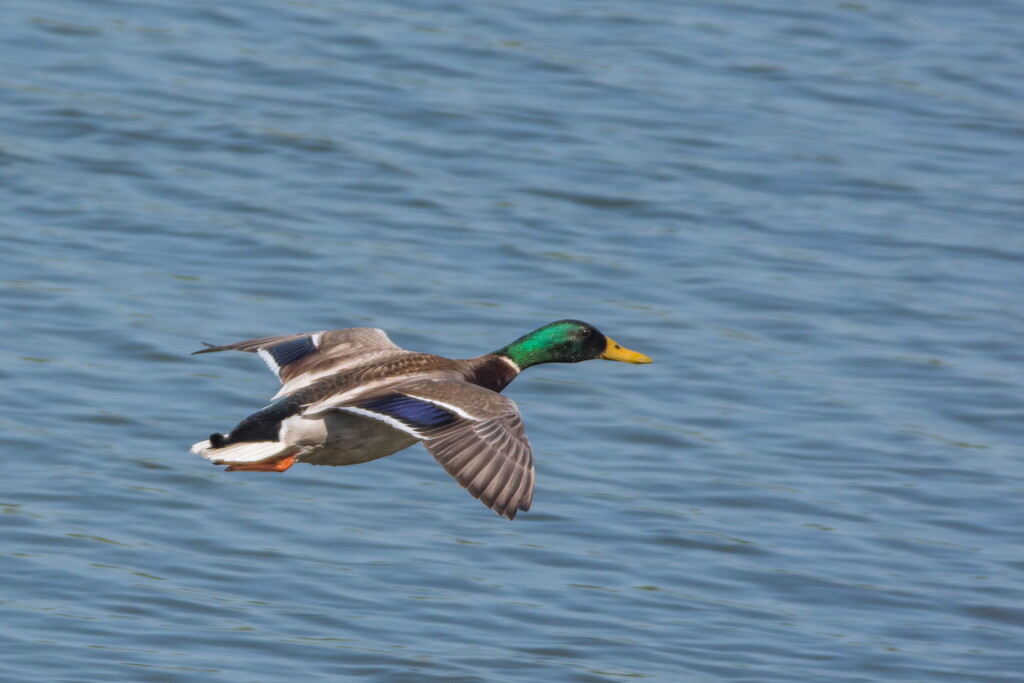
343, 438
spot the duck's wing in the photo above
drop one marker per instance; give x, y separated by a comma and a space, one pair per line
299, 359
474, 433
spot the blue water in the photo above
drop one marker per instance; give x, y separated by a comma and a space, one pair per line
809, 214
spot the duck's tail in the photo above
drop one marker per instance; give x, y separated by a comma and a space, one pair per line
259, 456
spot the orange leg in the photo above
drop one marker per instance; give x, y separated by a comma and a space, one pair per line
278, 465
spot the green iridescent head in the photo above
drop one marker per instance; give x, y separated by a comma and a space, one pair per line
567, 341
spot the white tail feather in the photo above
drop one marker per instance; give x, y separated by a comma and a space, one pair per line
246, 451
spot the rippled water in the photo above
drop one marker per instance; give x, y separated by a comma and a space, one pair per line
809, 215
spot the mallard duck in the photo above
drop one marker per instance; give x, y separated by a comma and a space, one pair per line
350, 396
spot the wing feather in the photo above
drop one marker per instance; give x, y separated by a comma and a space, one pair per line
501, 478
480, 440
299, 359
504, 498
491, 458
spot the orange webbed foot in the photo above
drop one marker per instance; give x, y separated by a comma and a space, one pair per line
277, 465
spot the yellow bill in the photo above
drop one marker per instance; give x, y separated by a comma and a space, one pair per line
614, 351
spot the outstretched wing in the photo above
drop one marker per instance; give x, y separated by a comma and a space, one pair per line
475, 434
491, 459
299, 359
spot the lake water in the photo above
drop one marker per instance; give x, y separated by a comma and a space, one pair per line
810, 214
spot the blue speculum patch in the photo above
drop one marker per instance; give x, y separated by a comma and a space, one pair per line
411, 411
291, 351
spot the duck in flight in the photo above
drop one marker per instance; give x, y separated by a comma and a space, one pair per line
350, 396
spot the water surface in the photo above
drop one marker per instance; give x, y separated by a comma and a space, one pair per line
809, 216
